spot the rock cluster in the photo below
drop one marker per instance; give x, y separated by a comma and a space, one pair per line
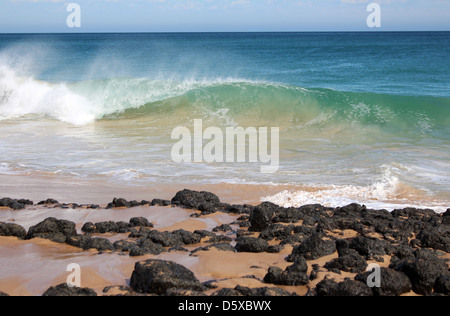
409, 242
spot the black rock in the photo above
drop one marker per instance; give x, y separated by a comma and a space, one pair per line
277, 231
101, 244
13, 204
80, 241
65, 290
13, 230
370, 248
218, 239
393, 283
107, 227
205, 202
166, 239
140, 221
53, 229
294, 275
250, 244
125, 245
442, 284
119, 290
258, 292
25, 202
423, 273
146, 247
188, 238
240, 209
346, 288
121, 203
262, 216
159, 202
205, 233
48, 202
3, 294
350, 263
89, 228
223, 228
314, 247
438, 239
159, 276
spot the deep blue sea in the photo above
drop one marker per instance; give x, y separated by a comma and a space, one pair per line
363, 117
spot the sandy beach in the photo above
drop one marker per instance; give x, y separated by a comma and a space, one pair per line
30, 266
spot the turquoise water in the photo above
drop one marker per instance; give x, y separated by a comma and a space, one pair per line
363, 116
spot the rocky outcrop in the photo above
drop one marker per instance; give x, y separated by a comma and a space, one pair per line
205, 202
159, 276
65, 290
53, 229
12, 230
392, 283
294, 275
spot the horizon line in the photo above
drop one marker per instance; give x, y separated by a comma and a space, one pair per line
218, 32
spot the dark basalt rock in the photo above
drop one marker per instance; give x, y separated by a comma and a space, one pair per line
146, 247
107, 227
126, 245
415, 214
159, 276
140, 222
12, 230
119, 202
166, 239
350, 263
293, 275
262, 216
188, 238
423, 272
442, 284
258, 292
277, 231
53, 229
223, 228
79, 241
438, 239
250, 244
101, 244
65, 290
89, 228
314, 247
48, 202
370, 248
348, 287
3, 294
219, 239
119, 290
158, 202
15, 204
393, 283
239, 209
205, 202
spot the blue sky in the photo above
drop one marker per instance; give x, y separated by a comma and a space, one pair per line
222, 15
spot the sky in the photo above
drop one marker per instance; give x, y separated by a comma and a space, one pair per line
42, 16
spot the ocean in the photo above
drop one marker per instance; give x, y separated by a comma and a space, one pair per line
363, 117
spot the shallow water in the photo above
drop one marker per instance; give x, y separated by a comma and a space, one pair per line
363, 117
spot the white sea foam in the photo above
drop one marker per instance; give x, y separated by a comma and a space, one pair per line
24, 95
383, 194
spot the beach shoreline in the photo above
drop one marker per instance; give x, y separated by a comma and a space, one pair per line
240, 246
